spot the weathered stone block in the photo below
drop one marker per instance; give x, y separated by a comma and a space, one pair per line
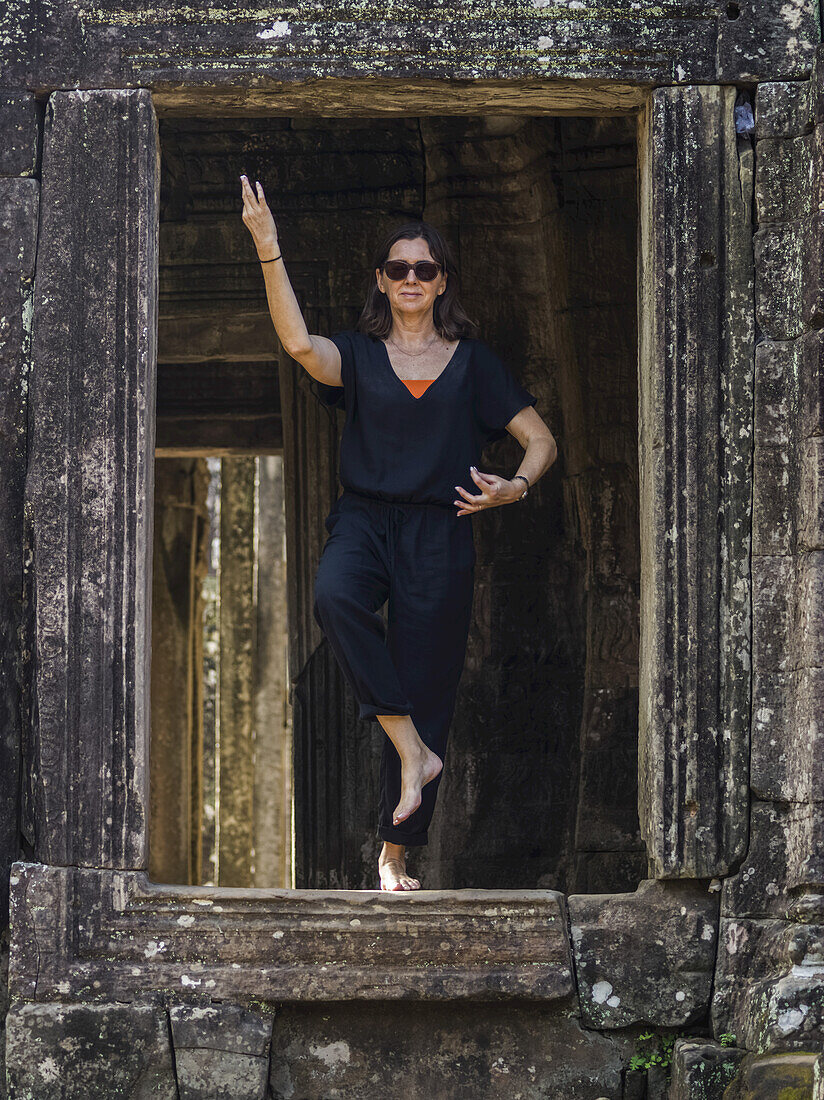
785, 34
221, 1027
87, 933
780, 263
774, 591
221, 1051
810, 608
19, 208
783, 109
812, 272
701, 1070
772, 726
757, 949
782, 857
767, 1077
91, 460
788, 734
72, 1052
776, 396
647, 956
769, 984
784, 179
696, 342
776, 473
776, 476
21, 129
788, 569
817, 86
658, 1081
811, 384
811, 502
417, 1050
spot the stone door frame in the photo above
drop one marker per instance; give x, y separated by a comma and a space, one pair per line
89, 527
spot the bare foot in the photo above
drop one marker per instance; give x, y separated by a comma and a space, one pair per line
415, 774
392, 868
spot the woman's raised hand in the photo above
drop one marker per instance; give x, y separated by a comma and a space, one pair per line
257, 217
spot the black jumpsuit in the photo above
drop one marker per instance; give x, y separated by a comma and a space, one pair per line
394, 533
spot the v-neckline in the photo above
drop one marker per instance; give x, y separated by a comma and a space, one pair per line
434, 381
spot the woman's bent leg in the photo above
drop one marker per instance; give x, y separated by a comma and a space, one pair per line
351, 584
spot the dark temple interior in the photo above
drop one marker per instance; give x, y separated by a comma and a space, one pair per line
261, 773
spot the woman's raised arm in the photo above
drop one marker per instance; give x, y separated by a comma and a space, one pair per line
318, 355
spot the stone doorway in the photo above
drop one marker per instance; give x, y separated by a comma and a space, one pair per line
543, 214
89, 923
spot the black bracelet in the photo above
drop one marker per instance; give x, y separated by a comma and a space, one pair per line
523, 494
272, 259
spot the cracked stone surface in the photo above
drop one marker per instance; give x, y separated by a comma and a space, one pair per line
221, 1051
647, 956
59, 1051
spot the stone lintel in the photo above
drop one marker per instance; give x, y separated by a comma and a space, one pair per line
60, 43
92, 935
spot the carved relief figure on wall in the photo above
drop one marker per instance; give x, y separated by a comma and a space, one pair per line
423, 396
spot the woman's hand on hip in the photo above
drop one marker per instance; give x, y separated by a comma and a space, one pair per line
257, 217
494, 492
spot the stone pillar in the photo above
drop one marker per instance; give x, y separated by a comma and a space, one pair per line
181, 528
20, 130
90, 475
772, 909
695, 396
211, 681
273, 728
237, 648
788, 522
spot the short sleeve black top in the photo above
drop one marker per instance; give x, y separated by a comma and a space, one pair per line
396, 446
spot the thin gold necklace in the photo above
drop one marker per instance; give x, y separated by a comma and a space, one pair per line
414, 354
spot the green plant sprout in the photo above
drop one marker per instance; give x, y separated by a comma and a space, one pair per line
653, 1050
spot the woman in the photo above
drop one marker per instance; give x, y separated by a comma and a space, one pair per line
422, 398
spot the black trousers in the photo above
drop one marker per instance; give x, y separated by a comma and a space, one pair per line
421, 558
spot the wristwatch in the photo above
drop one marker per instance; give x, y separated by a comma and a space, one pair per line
526, 490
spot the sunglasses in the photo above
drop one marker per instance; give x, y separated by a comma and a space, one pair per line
425, 270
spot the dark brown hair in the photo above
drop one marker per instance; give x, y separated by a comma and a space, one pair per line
448, 315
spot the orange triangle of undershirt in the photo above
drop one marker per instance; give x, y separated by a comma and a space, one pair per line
417, 386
